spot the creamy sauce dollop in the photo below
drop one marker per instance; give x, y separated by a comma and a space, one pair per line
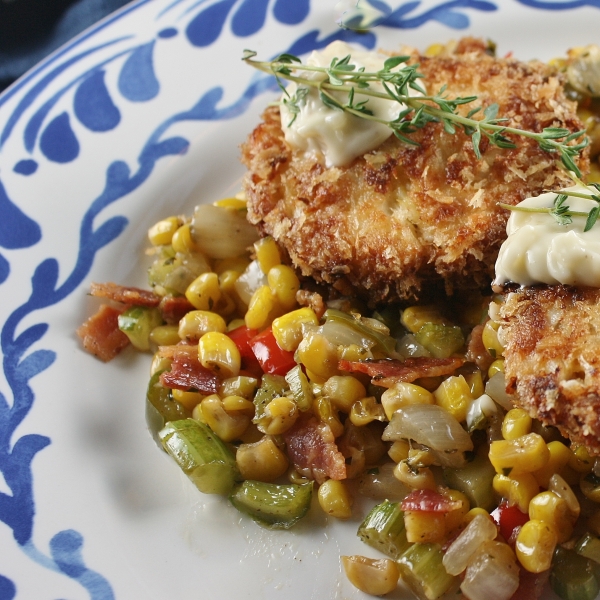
540, 250
337, 135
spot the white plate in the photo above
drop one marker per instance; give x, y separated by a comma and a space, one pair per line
138, 118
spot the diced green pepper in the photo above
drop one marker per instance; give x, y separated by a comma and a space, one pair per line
440, 340
475, 481
161, 407
384, 530
300, 388
277, 506
202, 456
137, 323
572, 576
272, 386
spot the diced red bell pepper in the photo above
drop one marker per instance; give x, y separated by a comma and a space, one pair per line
272, 358
508, 518
242, 337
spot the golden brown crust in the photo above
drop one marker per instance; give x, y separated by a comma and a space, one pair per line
402, 219
552, 357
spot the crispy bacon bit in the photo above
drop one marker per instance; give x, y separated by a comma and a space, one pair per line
188, 374
386, 372
476, 351
101, 335
428, 501
126, 295
173, 309
313, 451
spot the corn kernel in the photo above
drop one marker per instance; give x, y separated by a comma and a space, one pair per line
402, 394
328, 415
474, 512
204, 292
455, 518
228, 426
399, 450
559, 456
280, 414
374, 577
424, 527
194, 324
183, 241
475, 381
237, 264
496, 367
284, 283
289, 328
517, 489
414, 317
188, 399
232, 203
366, 410
553, 510
234, 403
489, 337
515, 424
261, 308
589, 484
218, 352
562, 489
262, 460
454, 395
267, 254
164, 335
418, 478
344, 391
227, 281
318, 355
535, 546
161, 233
241, 385
525, 454
354, 352
334, 499
580, 460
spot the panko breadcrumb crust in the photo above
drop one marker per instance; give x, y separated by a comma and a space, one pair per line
402, 221
551, 336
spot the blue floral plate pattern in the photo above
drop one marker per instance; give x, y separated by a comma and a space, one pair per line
138, 118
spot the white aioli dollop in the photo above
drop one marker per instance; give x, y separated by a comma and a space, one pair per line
540, 250
337, 135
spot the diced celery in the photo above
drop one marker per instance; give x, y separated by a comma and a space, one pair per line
475, 481
589, 546
440, 340
137, 322
572, 576
277, 506
422, 571
300, 388
161, 407
202, 456
384, 530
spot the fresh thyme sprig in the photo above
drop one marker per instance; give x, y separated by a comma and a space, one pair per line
397, 78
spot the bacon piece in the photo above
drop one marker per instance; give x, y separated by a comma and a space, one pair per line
188, 374
126, 295
173, 309
387, 371
101, 335
476, 351
313, 451
428, 501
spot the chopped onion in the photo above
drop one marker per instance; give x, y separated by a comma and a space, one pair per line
480, 410
221, 232
342, 334
249, 281
563, 490
459, 553
408, 347
496, 389
430, 425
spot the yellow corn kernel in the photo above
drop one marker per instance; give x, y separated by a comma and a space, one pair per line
580, 460
235, 323
237, 264
183, 241
563, 490
420, 478
204, 292
189, 399
284, 283
161, 233
399, 450
228, 426
267, 254
402, 394
474, 512
218, 352
164, 335
515, 424
414, 317
334, 499
233, 203
318, 355
496, 367
559, 456
354, 352
535, 546
553, 510
251, 435
227, 281
475, 381
344, 391
289, 328
262, 460
241, 385
489, 337
424, 527
434, 50
194, 324
454, 395
525, 454
517, 489
374, 577
280, 414
328, 415
261, 308
366, 410
589, 485
197, 414
234, 403
455, 518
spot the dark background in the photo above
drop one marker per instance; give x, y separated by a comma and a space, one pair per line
31, 29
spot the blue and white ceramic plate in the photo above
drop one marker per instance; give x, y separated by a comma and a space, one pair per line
138, 118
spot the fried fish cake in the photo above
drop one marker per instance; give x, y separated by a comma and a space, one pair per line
402, 220
551, 337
